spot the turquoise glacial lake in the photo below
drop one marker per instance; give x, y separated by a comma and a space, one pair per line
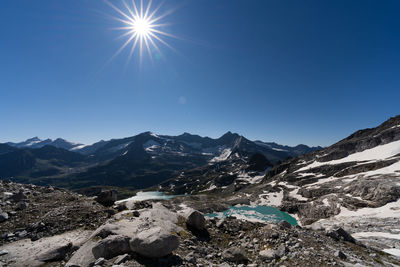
256, 213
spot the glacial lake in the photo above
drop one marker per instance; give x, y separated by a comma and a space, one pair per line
256, 213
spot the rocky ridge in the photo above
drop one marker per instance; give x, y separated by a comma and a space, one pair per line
353, 183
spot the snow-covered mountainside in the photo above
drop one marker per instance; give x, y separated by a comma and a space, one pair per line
140, 161
355, 183
148, 159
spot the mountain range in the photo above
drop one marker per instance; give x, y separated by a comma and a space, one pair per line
349, 191
138, 161
354, 183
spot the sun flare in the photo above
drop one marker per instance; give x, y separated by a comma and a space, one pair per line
142, 28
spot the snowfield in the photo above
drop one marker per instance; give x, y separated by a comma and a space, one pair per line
377, 153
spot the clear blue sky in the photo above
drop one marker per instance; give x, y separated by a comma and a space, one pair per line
287, 71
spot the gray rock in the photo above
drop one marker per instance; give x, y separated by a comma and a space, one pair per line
107, 197
100, 261
122, 258
56, 254
281, 251
340, 255
196, 220
338, 233
154, 243
3, 217
3, 252
22, 234
284, 225
19, 196
269, 254
12, 213
22, 205
220, 223
190, 257
111, 246
234, 254
121, 206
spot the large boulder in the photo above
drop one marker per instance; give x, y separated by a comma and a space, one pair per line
268, 254
20, 196
3, 216
107, 197
234, 254
339, 233
196, 220
154, 243
55, 254
111, 246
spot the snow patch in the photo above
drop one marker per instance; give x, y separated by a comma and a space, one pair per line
271, 199
294, 194
376, 153
150, 145
223, 156
393, 251
376, 234
78, 147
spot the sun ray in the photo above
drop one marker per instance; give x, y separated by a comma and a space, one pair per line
119, 11
141, 8
129, 9
135, 9
147, 9
152, 14
138, 22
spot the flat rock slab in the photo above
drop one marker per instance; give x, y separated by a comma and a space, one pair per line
25, 252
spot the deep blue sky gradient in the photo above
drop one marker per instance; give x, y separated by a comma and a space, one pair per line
292, 72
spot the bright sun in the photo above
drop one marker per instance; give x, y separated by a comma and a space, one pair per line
142, 28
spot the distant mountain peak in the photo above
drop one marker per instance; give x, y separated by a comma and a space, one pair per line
36, 142
33, 139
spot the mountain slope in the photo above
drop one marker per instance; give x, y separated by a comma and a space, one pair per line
41, 162
139, 161
355, 182
4, 149
149, 159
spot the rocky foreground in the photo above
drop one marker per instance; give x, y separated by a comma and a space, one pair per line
55, 227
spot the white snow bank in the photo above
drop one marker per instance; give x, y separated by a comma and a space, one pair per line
391, 209
377, 153
376, 234
393, 251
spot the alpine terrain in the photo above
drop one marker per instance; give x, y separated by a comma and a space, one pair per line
203, 202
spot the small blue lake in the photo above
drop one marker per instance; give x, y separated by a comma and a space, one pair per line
256, 213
